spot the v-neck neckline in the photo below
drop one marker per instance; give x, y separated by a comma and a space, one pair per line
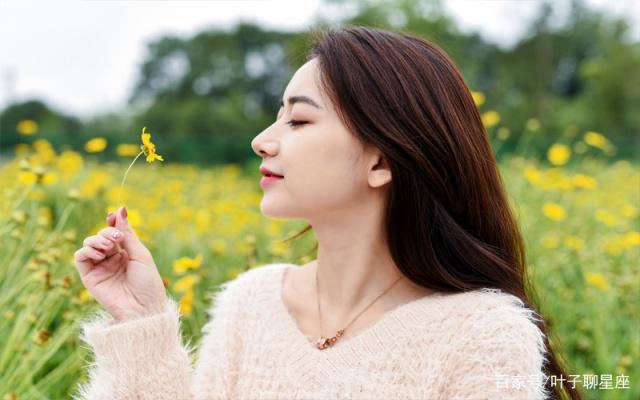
378, 328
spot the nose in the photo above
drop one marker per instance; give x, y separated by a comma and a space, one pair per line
265, 144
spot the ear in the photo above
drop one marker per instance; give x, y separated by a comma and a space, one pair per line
379, 172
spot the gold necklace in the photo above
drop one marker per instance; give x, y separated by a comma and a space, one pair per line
322, 342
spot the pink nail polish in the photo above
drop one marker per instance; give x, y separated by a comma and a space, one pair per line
124, 212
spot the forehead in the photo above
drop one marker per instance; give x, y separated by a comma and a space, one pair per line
305, 82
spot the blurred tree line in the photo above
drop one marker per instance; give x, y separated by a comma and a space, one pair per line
205, 97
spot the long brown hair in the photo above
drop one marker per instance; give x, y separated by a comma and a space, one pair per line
448, 221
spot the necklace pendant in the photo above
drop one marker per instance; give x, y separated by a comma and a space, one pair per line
321, 343
324, 343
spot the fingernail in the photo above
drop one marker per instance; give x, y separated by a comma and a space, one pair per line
116, 234
123, 213
110, 214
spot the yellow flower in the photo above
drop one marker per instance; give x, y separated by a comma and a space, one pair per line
558, 154
186, 303
629, 211
70, 162
631, 239
490, 118
478, 98
218, 246
44, 150
550, 241
596, 139
606, 217
185, 213
598, 280
203, 221
94, 183
127, 150
27, 127
584, 182
148, 147
27, 177
532, 174
278, 248
84, 296
37, 194
614, 247
573, 242
21, 149
554, 212
185, 283
182, 264
48, 178
96, 145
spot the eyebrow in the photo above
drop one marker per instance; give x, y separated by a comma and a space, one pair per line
300, 99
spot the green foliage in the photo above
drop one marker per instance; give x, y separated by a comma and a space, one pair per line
209, 94
55, 127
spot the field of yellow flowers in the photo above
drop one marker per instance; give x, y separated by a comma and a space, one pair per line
579, 212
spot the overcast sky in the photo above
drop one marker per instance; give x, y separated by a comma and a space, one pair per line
82, 57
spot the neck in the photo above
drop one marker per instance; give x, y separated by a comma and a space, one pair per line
354, 265
348, 287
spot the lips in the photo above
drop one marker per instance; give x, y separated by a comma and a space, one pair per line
268, 180
268, 173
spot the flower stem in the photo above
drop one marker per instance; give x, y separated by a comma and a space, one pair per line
125, 176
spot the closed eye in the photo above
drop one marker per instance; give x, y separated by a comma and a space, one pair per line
293, 123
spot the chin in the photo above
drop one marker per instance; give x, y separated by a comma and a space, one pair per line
272, 209
276, 209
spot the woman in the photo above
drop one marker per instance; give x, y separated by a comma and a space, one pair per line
418, 289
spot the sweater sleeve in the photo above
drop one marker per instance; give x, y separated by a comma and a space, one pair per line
145, 358
498, 353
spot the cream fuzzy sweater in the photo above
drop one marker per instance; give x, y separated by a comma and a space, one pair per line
481, 344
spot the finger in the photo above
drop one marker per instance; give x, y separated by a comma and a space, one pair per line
112, 234
111, 219
83, 264
135, 249
101, 243
115, 262
85, 259
93, 254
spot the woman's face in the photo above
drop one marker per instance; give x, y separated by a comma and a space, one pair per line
325, 168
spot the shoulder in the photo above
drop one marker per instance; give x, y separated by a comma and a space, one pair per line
253, 276
484, 305
493, 315
497, 333
482, 315
491, 310
238, 291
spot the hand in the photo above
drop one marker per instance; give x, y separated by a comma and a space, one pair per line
119, 271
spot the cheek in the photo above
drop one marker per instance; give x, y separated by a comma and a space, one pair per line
327, 176
323, 161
